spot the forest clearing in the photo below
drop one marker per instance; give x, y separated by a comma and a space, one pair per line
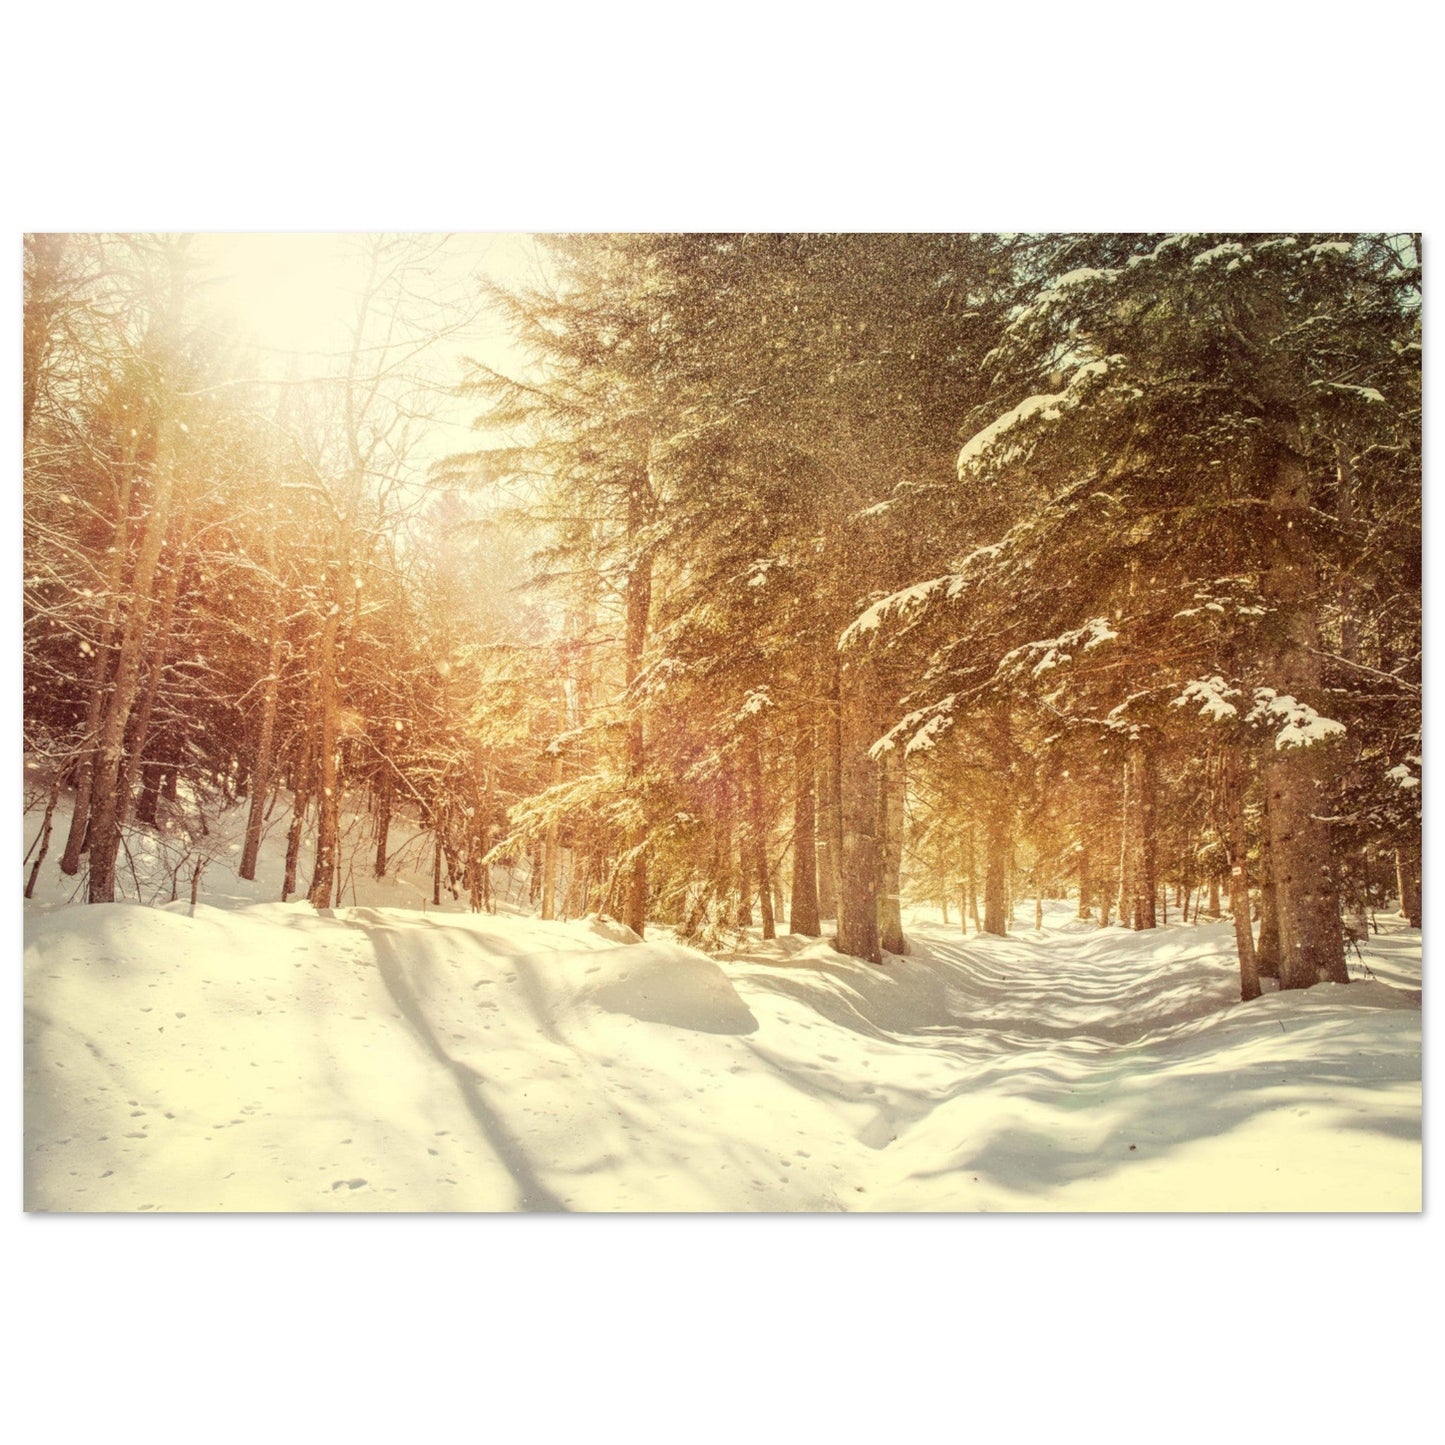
733, 722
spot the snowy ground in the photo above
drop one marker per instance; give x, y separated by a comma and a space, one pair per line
260, 1057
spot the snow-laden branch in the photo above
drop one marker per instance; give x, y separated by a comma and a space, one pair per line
1302, 726
901, 605
1215, 698
995, 443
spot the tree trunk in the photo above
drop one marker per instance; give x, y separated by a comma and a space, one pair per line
997, 846
1345, 588
765, 892
551, 850
1138, 889
301, 800
758, 831
725, 881
1266, 952
383, 815
44, 835
830, 820
804, 916
858, 810
261, 772
328, 803
473, 870
745, 885
998, 839
892, 790
147, 805
638, 607
1299, 779
1310, 944
1086, 883
970, 874
1236, 845
156, 670
1407, 882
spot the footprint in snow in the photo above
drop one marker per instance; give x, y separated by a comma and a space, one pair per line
348, 1184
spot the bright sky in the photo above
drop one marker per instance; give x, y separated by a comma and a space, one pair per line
290, 292
296, 295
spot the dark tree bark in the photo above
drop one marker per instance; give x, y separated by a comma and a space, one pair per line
1236, 844
383, 815
328, 727
156, 670
998, 840
858, 810
997, 845
301, 800
1299, 779
261, 771
1407, 882
1266, 952
803, 917
830, 819
1138, 887
746, 883
892, 786
44, 840
970, 879
765, 892
148, 803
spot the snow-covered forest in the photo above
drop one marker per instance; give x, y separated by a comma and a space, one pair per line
723, 721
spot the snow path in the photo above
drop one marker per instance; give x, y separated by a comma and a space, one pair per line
266, 1057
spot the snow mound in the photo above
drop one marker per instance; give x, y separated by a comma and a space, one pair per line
1364, 995
610, 929
665, 984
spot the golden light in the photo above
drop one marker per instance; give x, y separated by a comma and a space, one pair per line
294, 295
